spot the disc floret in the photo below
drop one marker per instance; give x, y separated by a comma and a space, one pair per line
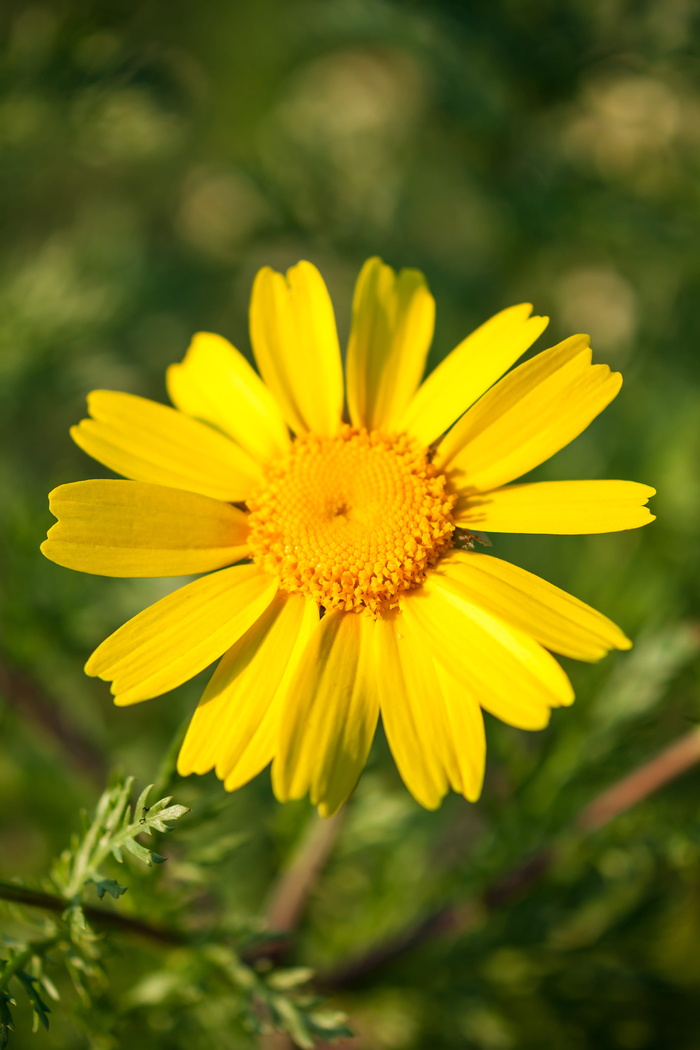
353, 520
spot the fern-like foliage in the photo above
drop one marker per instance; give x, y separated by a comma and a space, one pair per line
114, 828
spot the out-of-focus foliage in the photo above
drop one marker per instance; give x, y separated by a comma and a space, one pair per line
152, 157
210, 970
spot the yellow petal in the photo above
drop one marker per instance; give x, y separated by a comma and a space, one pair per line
509, 673
242, 690
127, 528
183, 633
556, 619
469, 370
264, 743
146, 441
216, 384
295, 342
330, 714
410, 697
392, 328
526, 417
466, 731
507, 392
433, 725
558, 507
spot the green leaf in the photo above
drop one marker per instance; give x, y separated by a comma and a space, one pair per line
292, 977
156, 820
330, 1024
292, 1020
6, 1022
139, 851
141, 809
119, 799
31, 986
111, 886
157, 807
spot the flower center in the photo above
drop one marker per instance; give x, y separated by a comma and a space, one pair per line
353, 520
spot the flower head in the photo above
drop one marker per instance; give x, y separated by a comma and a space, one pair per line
338, 585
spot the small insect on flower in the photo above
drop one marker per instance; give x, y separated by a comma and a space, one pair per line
342, 579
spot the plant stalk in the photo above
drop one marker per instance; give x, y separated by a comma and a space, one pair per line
101, 917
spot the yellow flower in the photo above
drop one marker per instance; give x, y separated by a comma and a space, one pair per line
358, 592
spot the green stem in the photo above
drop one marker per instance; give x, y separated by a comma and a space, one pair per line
10, 891
82, 859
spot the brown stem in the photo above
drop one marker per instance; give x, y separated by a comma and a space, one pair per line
289, 896
23, 694
668, 764
295, 885
451, 919
10, 891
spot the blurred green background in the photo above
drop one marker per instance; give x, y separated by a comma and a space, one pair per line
152, 157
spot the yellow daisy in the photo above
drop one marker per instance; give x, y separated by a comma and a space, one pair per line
341, 580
